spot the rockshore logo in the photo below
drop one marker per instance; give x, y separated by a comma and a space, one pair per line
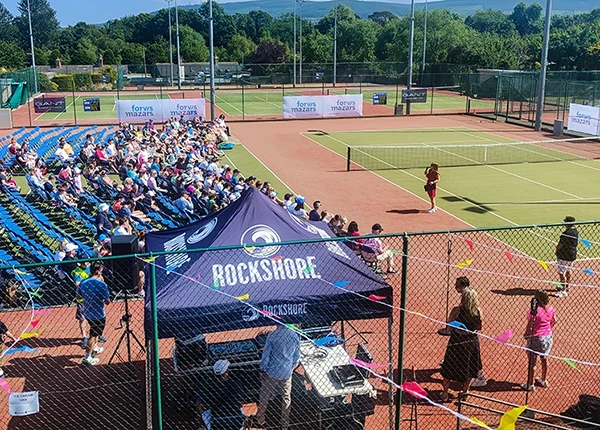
202, 232
260, 234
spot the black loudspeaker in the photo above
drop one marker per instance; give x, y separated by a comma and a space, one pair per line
125, 270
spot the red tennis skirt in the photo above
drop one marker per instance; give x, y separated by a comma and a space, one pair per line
431, 193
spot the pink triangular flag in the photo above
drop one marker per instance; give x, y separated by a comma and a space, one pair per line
34, 323
509, 256
469, 244
375, 298
4, 386
277, 258
504, 337
414, 389
361, 363
271, 314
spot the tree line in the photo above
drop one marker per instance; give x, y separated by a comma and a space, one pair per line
486, 39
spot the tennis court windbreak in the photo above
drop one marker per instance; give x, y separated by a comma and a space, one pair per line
420, 156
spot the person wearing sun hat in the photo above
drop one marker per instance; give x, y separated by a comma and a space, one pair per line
566, 254
221, 404
103, 224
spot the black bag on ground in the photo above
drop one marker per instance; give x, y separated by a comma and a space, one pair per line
588, 409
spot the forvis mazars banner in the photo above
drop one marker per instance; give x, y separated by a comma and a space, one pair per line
322, 106
137, 111
584, 119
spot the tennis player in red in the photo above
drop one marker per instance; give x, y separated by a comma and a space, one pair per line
433, 177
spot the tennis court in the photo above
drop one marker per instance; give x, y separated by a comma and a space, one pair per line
520, 184
237, 103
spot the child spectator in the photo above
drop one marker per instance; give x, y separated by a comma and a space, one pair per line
538, 334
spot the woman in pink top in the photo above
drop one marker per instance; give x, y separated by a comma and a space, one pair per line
539, 339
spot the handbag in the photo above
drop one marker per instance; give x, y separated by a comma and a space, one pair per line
429, 187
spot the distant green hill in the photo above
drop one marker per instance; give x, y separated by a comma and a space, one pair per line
318, 9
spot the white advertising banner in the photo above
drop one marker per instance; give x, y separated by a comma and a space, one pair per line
189, 108
139, 111
343, 105
584, 119
303, 107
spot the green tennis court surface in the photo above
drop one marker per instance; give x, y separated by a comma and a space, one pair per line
482, 195
236, 103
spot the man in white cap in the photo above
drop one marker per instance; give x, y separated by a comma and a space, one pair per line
220, 403
103, 224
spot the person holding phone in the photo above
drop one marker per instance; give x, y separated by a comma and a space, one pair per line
433, 177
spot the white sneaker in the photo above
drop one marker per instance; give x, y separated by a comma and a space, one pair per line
434, 210
561, 293
525, 387
542, 382
479, 382
98, 350
90, 361
430, 211
1, 373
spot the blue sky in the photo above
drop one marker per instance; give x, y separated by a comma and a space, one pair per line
70, 12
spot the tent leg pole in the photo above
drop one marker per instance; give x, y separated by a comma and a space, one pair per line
155, 353
390, 370
400, 370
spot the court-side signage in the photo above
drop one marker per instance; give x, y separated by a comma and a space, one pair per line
137, 111
418, 95
584, 119
49, 104
322, 106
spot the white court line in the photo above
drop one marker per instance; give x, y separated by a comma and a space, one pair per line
506, 172
226, 102
67, 108
265, 100
539, 153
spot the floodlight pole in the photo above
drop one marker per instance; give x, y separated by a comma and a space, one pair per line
424, 41
212, 60
170, 45
178, 50
32, 50
300, 74
335, 11
411, 48
295, 78
539, 110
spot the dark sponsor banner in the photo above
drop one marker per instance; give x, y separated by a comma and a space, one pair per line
50, 104
414, 96
91, 105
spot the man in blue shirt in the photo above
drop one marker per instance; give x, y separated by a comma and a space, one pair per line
280, 356
94, 293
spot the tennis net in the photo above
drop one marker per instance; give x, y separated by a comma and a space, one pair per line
420, 156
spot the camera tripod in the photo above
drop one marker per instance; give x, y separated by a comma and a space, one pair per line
126, 336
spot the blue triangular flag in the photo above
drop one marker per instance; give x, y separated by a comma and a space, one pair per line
327, 340
25, 348
341, 284
588, 271
457, 324
586, 243
13, 350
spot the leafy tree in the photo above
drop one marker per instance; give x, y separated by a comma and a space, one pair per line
382, 17
12, 55
344, 14
318, 48
131, 53
43, 21
8, 29
270, 52
158, 52
42, 55
254, 23
356, 40
239, 49
223, 24
85, 53
110, 57
192, 45
492, 21
527, 19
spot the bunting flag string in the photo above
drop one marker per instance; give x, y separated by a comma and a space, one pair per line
277, 258
509, 419
465, 263
327, 340
376, 298
308, 269
585, 243
150, 259
341, 284
508, 256
243, 297
269, 314
4, 385
250, 249
413, 388
469, 243
361, 363
588, 271
570, 363
504, 337
543, 264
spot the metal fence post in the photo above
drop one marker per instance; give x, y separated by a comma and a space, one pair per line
400, 370
243, 103
74, 106
155, 353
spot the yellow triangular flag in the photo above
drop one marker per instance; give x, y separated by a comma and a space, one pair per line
29, 335
20, 272
510, 418
464, 263
244, 297
543, 264
250, 249
150, 259
480, 423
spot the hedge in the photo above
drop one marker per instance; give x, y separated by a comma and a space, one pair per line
83, 81
64, 82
